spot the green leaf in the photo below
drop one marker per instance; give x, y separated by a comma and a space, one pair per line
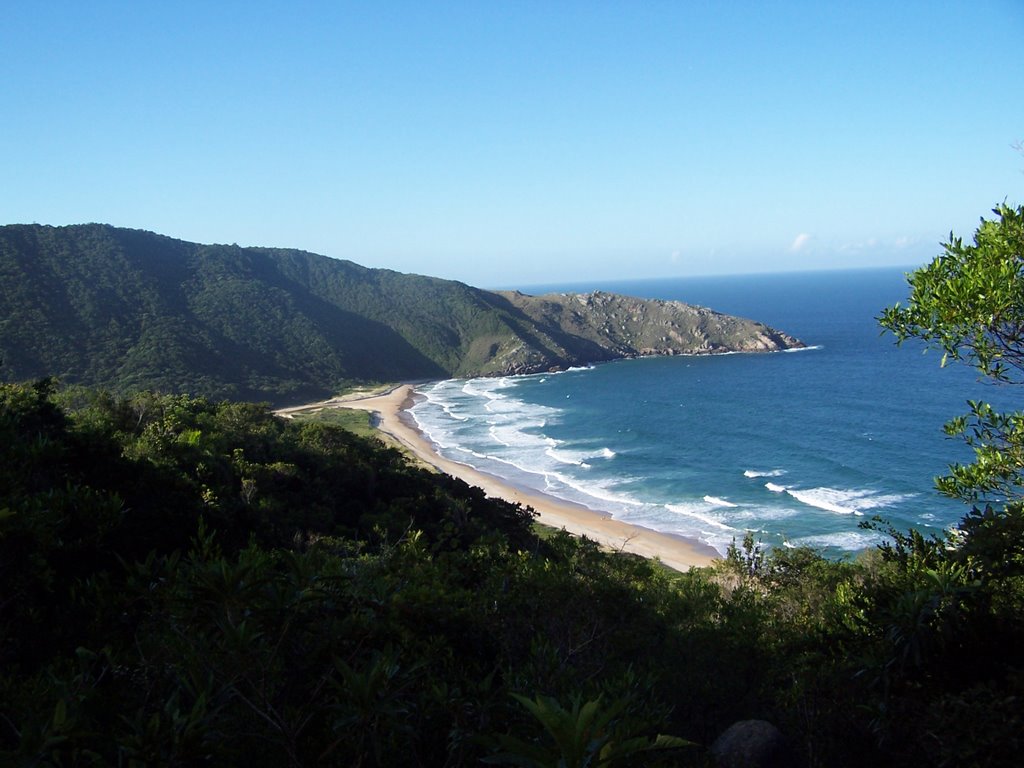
60, 715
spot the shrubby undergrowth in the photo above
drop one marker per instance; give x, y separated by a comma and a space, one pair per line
184, 581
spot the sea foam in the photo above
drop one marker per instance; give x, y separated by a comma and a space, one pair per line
715, 501
845, 501
566, 454
692, 511
594, 493
812, 348
851, 541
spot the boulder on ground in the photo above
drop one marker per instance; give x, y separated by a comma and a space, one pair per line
751, 744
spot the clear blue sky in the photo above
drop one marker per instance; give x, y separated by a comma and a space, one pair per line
513, 143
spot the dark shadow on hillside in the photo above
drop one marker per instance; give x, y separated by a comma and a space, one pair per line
577, 348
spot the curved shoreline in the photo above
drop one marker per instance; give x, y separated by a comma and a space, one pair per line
676, 552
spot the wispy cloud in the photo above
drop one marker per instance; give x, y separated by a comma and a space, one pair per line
800, 241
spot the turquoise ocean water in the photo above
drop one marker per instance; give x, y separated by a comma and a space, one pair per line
799, 447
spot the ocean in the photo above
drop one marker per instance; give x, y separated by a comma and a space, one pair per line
799, 447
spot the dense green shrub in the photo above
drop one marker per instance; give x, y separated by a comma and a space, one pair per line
184, 581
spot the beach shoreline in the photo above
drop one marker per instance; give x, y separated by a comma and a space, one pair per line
390, 408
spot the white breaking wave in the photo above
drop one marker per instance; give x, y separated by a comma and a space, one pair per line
806, 349
485, 388
829, 499
845, 502
594, 490
506, 435
567, 457
696, 514
434, 396
444, 405
763, 473
851, 541
580, 458
775, 488
542, 377
513, 436
759, 514
473, 418
715, 501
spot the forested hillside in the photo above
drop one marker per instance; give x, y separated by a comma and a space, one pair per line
130, 310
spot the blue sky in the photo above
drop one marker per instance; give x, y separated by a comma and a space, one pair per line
514, 143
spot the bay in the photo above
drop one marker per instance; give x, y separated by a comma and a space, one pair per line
799, 447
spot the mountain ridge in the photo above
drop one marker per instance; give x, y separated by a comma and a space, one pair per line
128, 309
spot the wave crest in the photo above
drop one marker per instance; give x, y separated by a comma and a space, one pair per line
846, 501
716, 501
696, 514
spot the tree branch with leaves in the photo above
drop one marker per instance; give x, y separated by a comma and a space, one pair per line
969, 303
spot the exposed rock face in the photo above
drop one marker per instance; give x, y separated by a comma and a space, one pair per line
751, 744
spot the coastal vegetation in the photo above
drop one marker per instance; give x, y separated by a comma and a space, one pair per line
127, 310
187, 581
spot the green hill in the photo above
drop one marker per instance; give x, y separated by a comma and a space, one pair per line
128, 310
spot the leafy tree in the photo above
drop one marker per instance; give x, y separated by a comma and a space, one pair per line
969, 303
945, 611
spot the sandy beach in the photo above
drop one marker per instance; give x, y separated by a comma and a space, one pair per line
674, 551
